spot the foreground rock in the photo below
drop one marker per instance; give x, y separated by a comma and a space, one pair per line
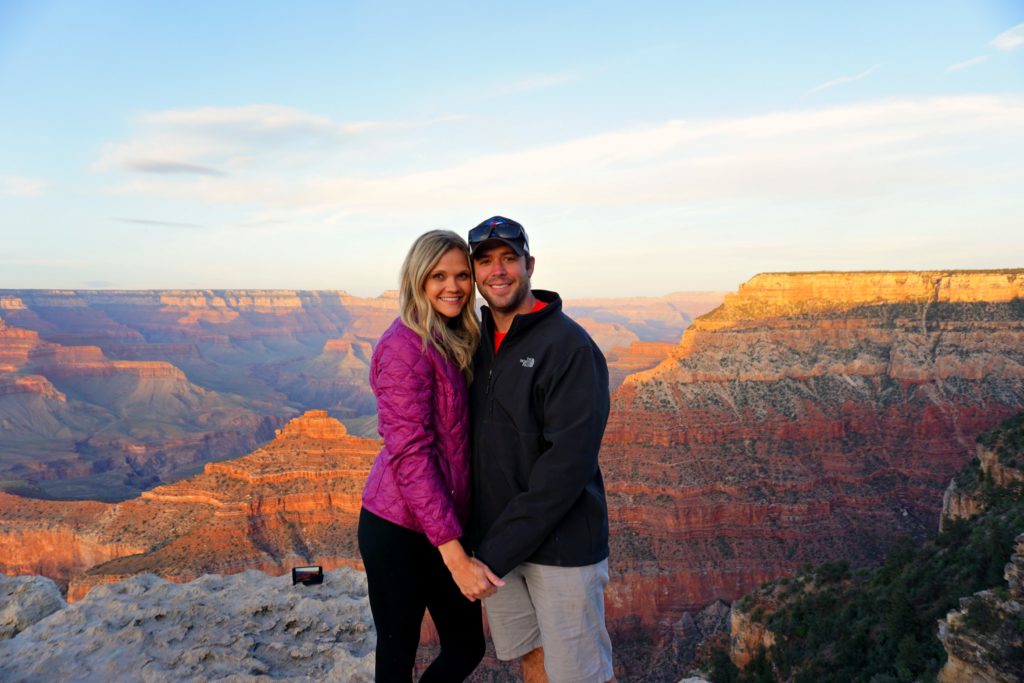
216, 628
24, 600
984, 640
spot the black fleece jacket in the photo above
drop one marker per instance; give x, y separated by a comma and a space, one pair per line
538, 409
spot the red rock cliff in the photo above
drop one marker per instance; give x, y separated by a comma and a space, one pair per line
811, 417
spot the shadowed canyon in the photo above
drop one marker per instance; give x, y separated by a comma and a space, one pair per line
810, 417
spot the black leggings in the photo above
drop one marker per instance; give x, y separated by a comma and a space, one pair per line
405, 575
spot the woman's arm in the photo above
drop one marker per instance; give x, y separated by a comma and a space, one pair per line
403, 379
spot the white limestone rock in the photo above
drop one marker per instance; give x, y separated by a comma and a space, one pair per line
237, 628
24, 600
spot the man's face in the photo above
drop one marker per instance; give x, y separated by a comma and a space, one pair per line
502, 276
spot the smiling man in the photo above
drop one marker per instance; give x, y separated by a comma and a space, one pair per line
538, 408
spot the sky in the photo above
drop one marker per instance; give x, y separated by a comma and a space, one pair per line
647, 147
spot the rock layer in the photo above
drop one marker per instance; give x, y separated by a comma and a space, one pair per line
811, 417
294, 501
639, 356
244, 627
26, 600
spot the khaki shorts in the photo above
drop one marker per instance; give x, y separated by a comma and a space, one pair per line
559, 608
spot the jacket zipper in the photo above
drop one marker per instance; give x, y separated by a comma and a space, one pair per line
494, 360
487, 391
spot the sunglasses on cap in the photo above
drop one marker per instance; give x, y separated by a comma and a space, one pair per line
498, 228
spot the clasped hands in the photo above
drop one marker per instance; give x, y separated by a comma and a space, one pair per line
474, 578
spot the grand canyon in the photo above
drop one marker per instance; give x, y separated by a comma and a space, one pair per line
105, 394
809, 417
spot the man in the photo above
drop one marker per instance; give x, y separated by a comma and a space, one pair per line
538, 408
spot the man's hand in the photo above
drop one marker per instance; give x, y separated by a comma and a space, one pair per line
473, 577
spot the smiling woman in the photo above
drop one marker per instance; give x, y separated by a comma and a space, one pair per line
452, 329
450, 284
416, 499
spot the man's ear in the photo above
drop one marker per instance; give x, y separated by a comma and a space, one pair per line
529, 266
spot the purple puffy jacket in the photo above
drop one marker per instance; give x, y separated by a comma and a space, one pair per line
420, 478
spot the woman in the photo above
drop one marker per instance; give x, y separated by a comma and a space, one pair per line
416, 499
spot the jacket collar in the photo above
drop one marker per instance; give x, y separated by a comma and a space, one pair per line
523, 321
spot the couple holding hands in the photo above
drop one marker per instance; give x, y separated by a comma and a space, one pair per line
488, 486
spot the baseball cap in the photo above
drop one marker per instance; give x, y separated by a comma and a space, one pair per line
502, 229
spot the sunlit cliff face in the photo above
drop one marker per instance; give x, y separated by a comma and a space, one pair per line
811, 417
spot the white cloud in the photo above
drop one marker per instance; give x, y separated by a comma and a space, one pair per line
842, 80
967, 64
867, 150
252, 119
20, 186
157, 223
1010, 39
214, 141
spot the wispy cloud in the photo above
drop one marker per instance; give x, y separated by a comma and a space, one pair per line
361, 127
855, 151
20, 186
170, 167
538, 83
967, 64
158, 224
842, 80
1010, 39
215, 141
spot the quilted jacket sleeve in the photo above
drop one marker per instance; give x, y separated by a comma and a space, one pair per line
404, 384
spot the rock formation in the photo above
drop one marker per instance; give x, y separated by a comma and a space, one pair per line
984, 639
811, 417
638, 357
1000, 463
25, 600
217, 628
294, 501
76, 423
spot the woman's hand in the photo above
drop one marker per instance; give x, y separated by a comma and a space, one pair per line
473, 577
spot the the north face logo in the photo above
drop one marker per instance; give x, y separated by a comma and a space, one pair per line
527, 362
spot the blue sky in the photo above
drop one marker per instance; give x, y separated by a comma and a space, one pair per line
648, 147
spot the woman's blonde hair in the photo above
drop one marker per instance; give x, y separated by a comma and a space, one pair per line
454, 338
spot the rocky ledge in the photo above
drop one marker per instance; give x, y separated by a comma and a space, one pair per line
984, 639
244, 627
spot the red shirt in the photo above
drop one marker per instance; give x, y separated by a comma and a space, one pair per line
500, 336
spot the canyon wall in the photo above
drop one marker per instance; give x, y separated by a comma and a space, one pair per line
811, 417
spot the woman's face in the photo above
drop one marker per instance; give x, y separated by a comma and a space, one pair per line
449, 283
